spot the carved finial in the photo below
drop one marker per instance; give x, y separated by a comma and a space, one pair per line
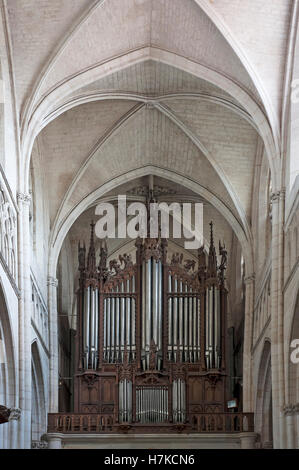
91, 258
81, 256
223, 262
201, 260
211, 234
212, 264
103, 271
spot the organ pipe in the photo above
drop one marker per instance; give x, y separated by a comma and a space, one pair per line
151, 404
125, 401
151, 310
179, 400
90, 327
183, 322
213, 328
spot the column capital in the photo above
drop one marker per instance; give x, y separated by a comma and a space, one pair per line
52, 281
249, 279
24, 198
277, 195
15, 414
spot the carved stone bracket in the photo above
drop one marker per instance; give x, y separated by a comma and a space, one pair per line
9, 414
15, 414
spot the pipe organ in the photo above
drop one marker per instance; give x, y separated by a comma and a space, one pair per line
150, 344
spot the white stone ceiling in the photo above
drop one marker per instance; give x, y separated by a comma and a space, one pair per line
111, 29
68, 52
148, 137
154, 79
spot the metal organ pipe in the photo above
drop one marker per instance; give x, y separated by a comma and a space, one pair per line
190, 320
180, 345
175, 320
218, 328
160, 304
86, 326
183, 321
151, 308
154, 312
151, 404
170, 328
125, 401
119, 322
90, 327
117, 325
186, 325
128, 320
179, 400
96, 327
122, 322
213, 328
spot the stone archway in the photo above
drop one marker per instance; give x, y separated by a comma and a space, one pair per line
263, 416
7, 372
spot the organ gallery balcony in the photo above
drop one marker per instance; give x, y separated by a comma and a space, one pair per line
85, 423
151, 347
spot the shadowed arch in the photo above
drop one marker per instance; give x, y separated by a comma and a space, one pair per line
263, 413
38, 414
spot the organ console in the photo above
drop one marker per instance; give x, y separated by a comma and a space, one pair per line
150, 344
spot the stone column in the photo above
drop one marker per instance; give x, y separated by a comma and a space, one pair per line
277, 350
289, 412
53, 333
24, 434
54, 441
248, 440
247, 356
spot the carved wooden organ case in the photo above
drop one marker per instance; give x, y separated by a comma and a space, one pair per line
150, 341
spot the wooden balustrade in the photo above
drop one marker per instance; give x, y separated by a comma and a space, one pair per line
222, 422
104, 423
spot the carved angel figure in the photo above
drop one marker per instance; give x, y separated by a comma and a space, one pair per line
126, 259
113, 265
177, 258
189, 264
223, 254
